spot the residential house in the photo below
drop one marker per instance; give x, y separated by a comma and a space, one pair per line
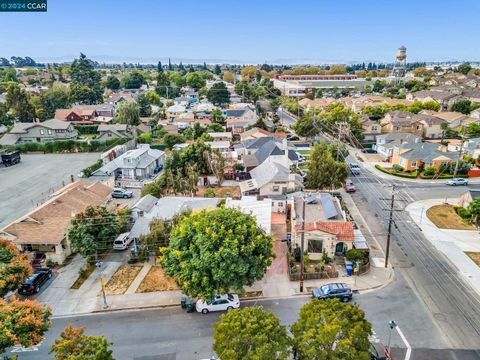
261, 210
401, 122
308, 104
359, 103
453, 118
134, 167
143, 128
271, 178
238, 120
441, 95
183, 100
417, 156
50, 130
118, 98
471, 147
254, 133
475, 114
78, 116
371, 128
144, 205
44, 229
175, 110
432, 126
385, 143
467, 197
221, 136
193, 95
113, 131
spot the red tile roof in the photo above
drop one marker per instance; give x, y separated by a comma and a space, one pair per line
342, 229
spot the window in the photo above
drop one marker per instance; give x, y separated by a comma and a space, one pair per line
276, 188
397, 128
414, 163
42, 132
280, 204
315, 246
49, 132
418, 127
374, 128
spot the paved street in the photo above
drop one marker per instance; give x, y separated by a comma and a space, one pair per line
445, 296
31, 182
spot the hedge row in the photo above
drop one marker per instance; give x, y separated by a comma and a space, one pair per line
444, 176
88, 171
66, 146
412, 175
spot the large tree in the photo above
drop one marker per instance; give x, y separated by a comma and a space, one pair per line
112, 83
134, 80
19, 103
144, 108
213, 252
15, 268
22, 323
250, 334
218, 94
195, 81
324, 172
463, 106
74, 345
92, 231
86, 80
163, 84
128, 113
331, 330
57, 97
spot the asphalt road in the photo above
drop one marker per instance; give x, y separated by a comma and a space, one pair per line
450, 302
34, 179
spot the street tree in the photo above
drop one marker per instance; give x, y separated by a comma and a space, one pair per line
218, 94
163, 84
153, 98
86, 80
15, 267
195, 81
92, 231
22, 322
74, 345
248, 72
250, 334
112, 83
331, 330
228, 76
217, 70
128, 113
463, 106
213, 252
324, 172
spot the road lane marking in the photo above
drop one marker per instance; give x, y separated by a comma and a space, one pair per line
404, 339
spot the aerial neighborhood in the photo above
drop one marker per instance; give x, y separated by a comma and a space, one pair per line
322, 210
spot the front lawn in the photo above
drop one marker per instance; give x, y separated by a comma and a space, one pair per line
122, 279
445, 217
404, 174
474, 256
156, 280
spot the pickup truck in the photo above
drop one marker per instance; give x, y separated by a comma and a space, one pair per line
10, 158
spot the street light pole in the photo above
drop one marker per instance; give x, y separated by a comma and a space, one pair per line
302, 236
390, 220
393, 325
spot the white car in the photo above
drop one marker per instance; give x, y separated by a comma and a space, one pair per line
219, 303
457, 181
122, 241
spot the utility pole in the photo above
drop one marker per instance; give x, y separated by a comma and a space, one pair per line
302, 244
390, 220
459, 152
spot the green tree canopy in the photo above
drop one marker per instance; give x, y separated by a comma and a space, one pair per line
112, 83
331, 330
19, 103
144, 108
213, 252
218, 94
463, 106
74, 345
15, 268
22, 323
85, 80
195, 80
474, 209
128, 113
134, 80
57, 97
250, 334
464, 68
92, 231
324, 172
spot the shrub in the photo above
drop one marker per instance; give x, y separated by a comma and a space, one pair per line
430, 171
462, 212
397, 167
88, 171
354, 255
209, 193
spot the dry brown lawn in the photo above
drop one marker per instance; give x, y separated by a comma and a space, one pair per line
445, 217
475, 256
220, 191
156, 280
121, 280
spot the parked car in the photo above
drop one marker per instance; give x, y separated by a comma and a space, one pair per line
457, 181
349, 187
369, 151
333, 291
293, 138
122, 241
354, 168
219, 303
378, 352
33, 284
121, 193
10, 158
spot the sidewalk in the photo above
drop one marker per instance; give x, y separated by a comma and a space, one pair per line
453, 243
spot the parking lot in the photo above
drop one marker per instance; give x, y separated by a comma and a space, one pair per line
28, 184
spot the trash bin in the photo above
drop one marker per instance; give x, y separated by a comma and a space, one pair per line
189, 305
183, 302
349, 268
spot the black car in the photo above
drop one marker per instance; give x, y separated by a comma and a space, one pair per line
333, 291
369, 151
293, 138
33, 284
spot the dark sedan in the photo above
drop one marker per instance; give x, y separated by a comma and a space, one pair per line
339, 291
33, 284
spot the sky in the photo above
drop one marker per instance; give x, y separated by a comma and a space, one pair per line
246, 31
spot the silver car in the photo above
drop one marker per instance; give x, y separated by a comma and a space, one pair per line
457, 181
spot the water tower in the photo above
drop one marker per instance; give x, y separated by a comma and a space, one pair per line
400, 65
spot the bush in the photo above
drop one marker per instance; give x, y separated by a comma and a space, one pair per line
397, 167
88, 171
354, 255
209, 193
430, 171
412, 175
463, 213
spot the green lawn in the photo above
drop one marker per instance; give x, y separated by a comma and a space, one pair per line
304, 152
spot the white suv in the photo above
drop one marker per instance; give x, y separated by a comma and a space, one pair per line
219, 303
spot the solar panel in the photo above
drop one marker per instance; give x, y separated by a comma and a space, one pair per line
328, 206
